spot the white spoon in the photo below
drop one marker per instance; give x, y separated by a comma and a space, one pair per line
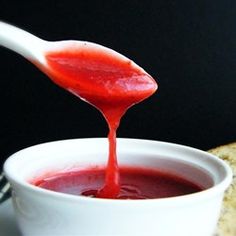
115, 66
35, 50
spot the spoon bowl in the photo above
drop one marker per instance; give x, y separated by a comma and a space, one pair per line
80, 67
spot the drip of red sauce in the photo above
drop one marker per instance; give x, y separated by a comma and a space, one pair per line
108, 81
135, 183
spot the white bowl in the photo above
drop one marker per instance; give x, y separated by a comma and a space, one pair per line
43, 212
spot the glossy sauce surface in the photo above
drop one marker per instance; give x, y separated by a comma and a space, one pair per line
135, 183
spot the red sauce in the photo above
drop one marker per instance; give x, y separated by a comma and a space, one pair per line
108, 81
135, 183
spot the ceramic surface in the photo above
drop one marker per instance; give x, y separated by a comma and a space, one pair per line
42, 212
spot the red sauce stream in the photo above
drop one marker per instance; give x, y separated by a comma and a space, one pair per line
107, 81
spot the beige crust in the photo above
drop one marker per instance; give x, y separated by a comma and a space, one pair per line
227, 222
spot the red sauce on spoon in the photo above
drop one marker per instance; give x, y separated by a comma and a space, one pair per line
108, 81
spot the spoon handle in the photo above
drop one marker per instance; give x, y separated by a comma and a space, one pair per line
22, 42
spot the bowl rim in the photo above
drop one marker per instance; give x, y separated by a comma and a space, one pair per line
218, 188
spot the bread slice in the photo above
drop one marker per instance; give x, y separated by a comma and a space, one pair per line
227, 222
